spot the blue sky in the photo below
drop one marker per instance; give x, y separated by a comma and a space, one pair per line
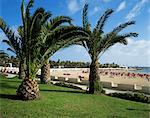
136, 53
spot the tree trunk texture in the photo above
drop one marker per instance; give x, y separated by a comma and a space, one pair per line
45, 72
21, 70
28, 90
94, 78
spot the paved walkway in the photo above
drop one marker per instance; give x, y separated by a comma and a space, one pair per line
84, 87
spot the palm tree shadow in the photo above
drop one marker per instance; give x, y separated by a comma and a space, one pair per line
8, 96
11, 80
133, 109
5, 85
64, 91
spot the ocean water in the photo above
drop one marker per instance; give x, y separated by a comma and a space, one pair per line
143, 70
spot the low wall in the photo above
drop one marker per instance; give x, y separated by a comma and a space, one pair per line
54, 78
137, 87
106, 84
61, 79
146, 89
73, 80
84, 82
125, 87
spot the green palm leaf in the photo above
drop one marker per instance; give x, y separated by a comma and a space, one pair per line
103, 19
86, 24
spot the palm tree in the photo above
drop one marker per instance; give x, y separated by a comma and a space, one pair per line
23, 46
50, 26
98, 43
56, 35
30, 31
15, 45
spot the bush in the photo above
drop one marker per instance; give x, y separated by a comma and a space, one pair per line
103, 91
67, 85
138, 97
98, 86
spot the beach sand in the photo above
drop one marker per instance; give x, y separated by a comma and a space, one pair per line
116, 79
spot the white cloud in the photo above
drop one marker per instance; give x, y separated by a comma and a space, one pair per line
136, 10
136, 53
94, 11
121, 6
73, 6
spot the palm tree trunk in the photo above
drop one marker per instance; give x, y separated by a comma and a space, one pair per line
94, 78
45, 72
21, 70
28, 90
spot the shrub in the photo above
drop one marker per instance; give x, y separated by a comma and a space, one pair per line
98, 87
67, 85
138, 97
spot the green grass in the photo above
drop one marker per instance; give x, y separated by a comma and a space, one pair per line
60, 102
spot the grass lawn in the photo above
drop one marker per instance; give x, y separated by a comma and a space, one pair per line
60, 102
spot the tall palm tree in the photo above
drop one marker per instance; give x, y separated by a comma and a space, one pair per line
98, 42
56, 35
24, 44
15, 45
50, 26
30, 31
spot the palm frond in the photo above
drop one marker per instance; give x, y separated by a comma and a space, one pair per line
57, 21
23, 12
62, 44
117, 39
29, 5
10, 49
64, 31
20, 31
86, 24
41, 14
39, 17
13, 40
3, 55
101, 22
122, 26
60, 37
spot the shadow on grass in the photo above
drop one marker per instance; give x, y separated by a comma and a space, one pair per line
115, 116
64, 91
10, 80
133, 109
7, 96
4, 85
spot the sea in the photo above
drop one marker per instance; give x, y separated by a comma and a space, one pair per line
142, 70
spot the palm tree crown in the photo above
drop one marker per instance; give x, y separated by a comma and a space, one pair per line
97, 42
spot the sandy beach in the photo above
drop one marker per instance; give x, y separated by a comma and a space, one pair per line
117, 76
